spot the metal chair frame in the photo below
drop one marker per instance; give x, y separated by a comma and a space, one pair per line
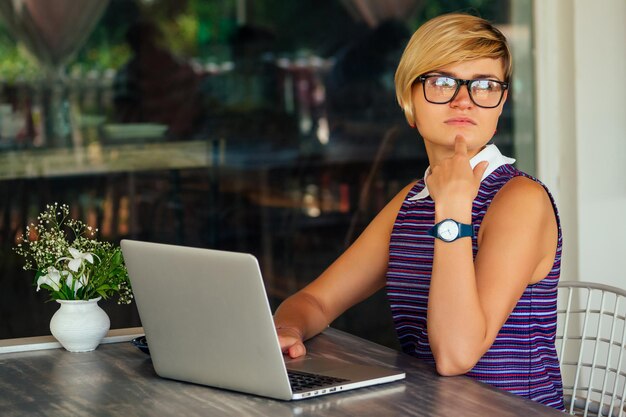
586, 396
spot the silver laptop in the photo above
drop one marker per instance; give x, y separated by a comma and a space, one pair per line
208, 321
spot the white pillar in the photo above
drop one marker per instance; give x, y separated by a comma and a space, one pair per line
581, 130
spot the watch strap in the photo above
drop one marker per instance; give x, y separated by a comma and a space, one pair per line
465, 230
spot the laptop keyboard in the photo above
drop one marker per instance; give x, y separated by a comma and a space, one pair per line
303, 381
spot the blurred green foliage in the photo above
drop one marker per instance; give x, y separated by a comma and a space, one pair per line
203, 29
15, 62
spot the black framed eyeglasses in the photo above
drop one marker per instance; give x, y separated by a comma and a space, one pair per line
442, 89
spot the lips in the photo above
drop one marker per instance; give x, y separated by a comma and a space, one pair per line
460, 121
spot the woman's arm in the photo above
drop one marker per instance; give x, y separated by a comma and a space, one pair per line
358, 273
470, 300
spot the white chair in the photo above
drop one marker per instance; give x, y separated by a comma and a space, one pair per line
591, 344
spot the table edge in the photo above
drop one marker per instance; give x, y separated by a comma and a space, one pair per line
26, 344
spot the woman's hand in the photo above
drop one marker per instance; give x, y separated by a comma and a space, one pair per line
452, 182
290, 340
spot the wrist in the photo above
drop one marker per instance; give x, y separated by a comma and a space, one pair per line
459, 211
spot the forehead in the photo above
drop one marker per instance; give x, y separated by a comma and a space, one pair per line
477, 68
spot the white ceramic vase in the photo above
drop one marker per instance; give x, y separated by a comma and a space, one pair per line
79, 325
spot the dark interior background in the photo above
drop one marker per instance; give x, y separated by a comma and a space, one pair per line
265, 126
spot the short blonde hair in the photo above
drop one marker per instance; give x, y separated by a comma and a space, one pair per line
446, 40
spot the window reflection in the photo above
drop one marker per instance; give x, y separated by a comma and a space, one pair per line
267, 127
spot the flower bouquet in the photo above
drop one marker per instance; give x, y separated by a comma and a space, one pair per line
77, 270
69, 262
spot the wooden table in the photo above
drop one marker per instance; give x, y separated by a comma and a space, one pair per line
118, 380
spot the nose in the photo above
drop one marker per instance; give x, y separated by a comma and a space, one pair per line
462, 99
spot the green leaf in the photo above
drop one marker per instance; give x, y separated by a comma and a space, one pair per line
103, 294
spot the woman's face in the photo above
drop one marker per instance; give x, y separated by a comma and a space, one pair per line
439, 124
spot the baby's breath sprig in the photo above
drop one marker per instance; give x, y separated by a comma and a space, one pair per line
69, 261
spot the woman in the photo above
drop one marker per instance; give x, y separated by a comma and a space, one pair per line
470, 254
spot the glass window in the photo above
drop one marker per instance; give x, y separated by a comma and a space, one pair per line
265, 126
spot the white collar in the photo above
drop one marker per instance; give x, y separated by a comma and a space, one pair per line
490, 153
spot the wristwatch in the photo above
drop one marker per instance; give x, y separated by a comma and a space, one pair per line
450, 230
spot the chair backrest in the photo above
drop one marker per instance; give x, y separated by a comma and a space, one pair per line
591, 344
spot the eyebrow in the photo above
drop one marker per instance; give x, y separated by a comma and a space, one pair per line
475, 76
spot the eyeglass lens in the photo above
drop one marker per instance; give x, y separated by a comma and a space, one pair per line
484, 93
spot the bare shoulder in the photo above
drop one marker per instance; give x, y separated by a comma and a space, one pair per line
521, 204
523, 196
382, 224
384, 220
521, 222
403, 193
397, 201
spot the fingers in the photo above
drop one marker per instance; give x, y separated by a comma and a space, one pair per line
291, 342
460, 146
292, 347
296, 350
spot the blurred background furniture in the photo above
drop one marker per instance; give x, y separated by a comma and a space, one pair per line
591, 335
227, 124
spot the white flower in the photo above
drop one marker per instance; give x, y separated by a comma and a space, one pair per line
52, 278
78, 283
77, 259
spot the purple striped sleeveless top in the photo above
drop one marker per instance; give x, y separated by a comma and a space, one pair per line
522, 359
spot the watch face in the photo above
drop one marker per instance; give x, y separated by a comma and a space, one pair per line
448, 230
